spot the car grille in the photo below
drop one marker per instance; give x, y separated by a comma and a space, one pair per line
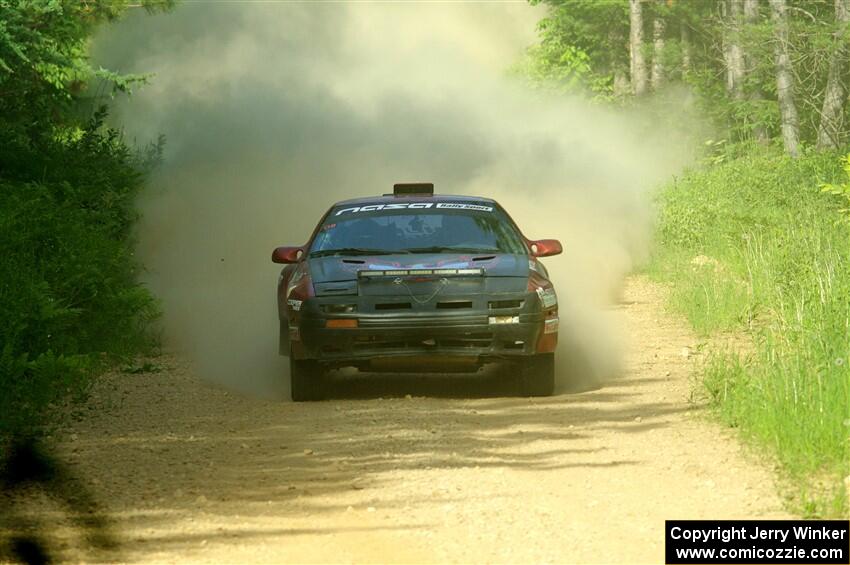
407, 321
477, 340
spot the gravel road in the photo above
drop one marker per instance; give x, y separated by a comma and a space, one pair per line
412, 470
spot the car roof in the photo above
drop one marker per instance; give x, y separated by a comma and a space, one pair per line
389, 198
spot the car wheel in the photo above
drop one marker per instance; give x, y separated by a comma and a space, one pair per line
537, 375
307, 380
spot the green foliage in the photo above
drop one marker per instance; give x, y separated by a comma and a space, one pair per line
581, 46
68, 294
559, 68
43, 58
69, 301
842, 190
752, 246
33, 389
584, 47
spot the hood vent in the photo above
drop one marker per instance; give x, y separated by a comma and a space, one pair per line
341, 288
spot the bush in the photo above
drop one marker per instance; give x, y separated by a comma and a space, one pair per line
754, 246
69, 300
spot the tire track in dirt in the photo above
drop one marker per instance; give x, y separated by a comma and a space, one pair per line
460, 473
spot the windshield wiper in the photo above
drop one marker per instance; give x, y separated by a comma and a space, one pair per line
446, 249
355, 251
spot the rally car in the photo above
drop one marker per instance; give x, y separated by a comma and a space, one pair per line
413, 281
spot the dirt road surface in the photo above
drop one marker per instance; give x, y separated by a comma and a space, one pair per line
464, 473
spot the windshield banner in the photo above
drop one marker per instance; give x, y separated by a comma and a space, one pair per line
415, 206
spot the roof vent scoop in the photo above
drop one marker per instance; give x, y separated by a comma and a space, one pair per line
413, 189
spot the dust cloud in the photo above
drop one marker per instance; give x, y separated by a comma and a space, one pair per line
272, 111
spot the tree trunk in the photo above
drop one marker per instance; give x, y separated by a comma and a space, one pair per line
686, 49
785, 78
616, 42
657, 76
751, 17
832, 114
638, 64
734, 52
621, 82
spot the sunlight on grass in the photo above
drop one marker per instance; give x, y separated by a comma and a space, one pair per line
753, 246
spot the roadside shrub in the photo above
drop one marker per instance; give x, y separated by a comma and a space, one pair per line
775, 264
69, 300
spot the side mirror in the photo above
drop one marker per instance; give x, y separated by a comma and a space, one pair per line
287, 254
545, 247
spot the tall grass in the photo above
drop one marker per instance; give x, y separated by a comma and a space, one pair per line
752, 246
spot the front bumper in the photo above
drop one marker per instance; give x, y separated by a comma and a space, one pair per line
466, 327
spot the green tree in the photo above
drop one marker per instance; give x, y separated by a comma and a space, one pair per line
759, 69
44, 65
583, 47
69, 300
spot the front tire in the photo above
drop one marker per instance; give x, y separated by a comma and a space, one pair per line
537, 375
307, 380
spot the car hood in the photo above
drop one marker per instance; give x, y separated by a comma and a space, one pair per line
340, 268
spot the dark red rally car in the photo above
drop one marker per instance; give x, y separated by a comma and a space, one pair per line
413, 281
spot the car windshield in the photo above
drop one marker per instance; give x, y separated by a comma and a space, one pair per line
353, 231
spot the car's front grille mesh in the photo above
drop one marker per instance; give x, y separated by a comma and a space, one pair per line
457, 324
478, 340
406, 321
